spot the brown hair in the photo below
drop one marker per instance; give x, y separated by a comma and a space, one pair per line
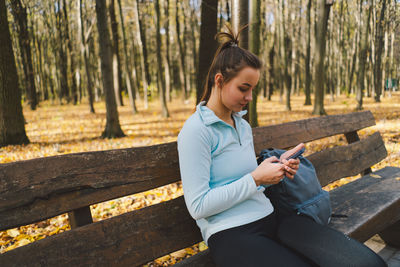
229, 60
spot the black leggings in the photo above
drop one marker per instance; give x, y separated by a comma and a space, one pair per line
296, 241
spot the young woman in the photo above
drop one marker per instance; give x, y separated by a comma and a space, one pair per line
222, 182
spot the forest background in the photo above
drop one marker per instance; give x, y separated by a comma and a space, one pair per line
75, 72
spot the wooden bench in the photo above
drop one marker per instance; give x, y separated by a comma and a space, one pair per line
37, 189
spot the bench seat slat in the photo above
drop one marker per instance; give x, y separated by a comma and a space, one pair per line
349, 160
371, 204
38, 189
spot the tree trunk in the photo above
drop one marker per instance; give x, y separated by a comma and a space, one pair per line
272, 80
71, 55
115, 55
143, 59
240, 18
160, 75
12, 129
378, 53
286, 53
319, 70
182, 70
167, 61
308, 55
208, 45
353, 65
131, 85
363, 54
62, 58
254, 47
20, 17
194, 29
84, 53
113, 128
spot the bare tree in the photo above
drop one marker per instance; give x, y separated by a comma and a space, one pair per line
324, 7
85, 55
208, 45
131, 85
254, 46
20, 17
378, 53
308, 56
113, 128
12, 129
363, 53
160, 75
115, 54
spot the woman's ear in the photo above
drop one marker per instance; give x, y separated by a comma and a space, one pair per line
218, 80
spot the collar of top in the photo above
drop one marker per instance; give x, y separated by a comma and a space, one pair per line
208, 116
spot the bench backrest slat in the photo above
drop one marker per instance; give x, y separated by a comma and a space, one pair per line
343, 161
37, 189
292, 133
129, 239
41, 188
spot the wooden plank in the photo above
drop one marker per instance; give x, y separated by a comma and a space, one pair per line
292, 133
353, 137
367, 205
343, 161
391, 235
129, 239
80, 217
37, 189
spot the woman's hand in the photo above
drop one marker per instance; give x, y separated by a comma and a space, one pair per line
291, 166
270, 171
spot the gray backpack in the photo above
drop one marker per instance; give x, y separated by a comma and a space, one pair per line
302, 195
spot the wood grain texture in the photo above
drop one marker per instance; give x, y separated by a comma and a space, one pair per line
343, 161
370, 204
352, 137
292, 133
391, 235
130, 239
38, 189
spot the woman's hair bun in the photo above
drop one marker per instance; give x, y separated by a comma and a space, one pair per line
228, 38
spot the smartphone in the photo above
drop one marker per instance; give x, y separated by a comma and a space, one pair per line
297, 154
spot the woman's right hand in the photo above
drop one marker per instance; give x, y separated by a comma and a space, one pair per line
270, 171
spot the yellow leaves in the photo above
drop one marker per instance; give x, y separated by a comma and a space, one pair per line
202, 246
24, 235
13, 232
375, 176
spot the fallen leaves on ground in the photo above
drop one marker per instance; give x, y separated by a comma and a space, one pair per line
55, 130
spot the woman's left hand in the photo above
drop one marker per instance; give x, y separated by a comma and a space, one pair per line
291, 167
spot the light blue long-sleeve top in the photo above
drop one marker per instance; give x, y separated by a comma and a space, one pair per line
216, 161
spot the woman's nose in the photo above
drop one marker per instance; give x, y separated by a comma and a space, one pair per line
249, 95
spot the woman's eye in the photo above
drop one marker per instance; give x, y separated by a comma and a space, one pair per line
242, 89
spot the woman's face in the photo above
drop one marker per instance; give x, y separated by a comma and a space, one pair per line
236, 93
